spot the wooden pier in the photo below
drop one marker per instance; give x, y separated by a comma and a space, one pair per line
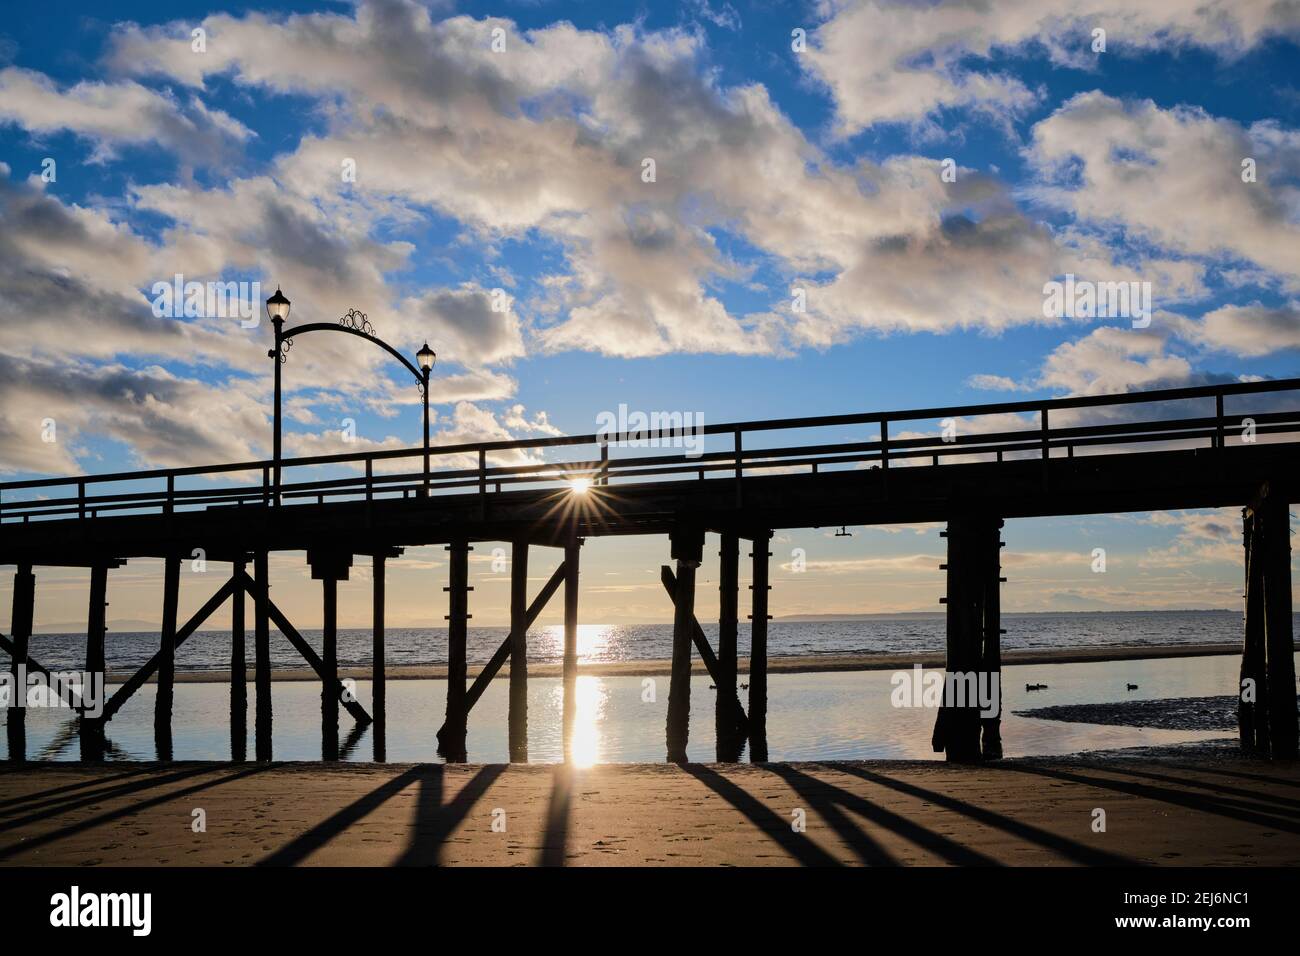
1216, 446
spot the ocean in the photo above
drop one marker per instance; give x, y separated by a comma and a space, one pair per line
812, 716
210, 650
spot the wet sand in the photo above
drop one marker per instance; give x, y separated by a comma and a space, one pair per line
1184, 806
775, 665
1176, 713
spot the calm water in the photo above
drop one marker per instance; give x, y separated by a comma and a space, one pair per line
811, 716
210, 650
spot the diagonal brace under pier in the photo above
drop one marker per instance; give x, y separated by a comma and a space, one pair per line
7, 646
302, 647
502, 654
138, 679
706, 654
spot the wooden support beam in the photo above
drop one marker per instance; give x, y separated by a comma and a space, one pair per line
1279, 644
162, 712
957, 729
517, 716
96, 619
451, 738
379, 692
712, 663
60, 688
991, 640
238, 673
329, 566
24, 597
140, 677
313, 660
687, 550
974, 639
730, 732
329, 694
570, 669
1252, 710
261, 594
91, 730
758, 648
493, 666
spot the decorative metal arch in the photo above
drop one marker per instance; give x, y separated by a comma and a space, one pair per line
353, 323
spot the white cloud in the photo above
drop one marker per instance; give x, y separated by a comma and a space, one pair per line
1246, 330
899, 61
115, 114
1174, 177
547, 140
1113, 360
994, 383
1200, 537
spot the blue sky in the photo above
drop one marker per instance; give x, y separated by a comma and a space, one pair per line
520, 169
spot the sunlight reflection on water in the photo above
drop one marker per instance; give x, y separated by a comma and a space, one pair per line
843, 715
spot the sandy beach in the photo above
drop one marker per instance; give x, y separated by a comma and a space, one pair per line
1182, 806
776, 665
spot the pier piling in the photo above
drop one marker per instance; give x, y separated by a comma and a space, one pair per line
379, 692
451, 739
1282, 718
688, 551
329, 702
1252, 712
729, 737
518, 712
991, 662
758, 618
91, 729
262, 657
329, 567
974, 639
24, 597
1268, 656
162, 714
238, 671
570, 669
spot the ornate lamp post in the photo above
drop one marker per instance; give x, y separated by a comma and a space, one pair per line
353, 323
426, 357
277, 307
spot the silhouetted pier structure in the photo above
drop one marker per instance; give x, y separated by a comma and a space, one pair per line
1215, 446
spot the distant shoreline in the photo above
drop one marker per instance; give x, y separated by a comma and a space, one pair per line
807, 664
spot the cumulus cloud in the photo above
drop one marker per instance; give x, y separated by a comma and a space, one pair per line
72, 280
1247, 330
994, 383
550, 139
112, 115
163, 420
468, 321
1174, 178
898, 61
1110, 360
1210, 535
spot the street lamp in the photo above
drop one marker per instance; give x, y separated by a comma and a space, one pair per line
277, 307
426, 357
353, 323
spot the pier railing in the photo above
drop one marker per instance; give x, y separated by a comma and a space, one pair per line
1213, 417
